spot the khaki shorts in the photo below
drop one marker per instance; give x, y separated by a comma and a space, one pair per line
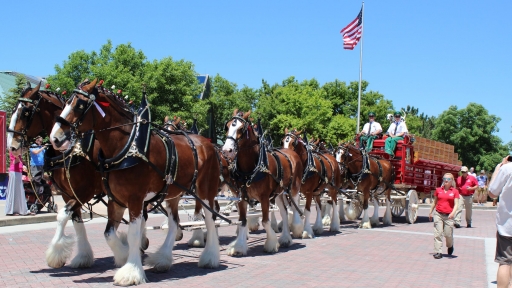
503, 250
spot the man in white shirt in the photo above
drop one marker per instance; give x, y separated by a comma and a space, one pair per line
371, 130
472, 172
396, 132
501, 185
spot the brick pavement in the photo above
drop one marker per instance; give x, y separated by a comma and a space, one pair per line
396, 256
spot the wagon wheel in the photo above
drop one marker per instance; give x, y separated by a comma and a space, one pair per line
354, 209
397, 207
33, 208
411, 205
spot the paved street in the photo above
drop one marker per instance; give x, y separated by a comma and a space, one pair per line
395, 256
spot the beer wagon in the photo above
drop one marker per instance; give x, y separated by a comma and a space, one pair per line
419, 165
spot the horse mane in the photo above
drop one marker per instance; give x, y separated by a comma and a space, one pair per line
117, 103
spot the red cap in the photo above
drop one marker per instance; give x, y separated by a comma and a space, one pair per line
47, 86
64, 92
101, 83
119, 91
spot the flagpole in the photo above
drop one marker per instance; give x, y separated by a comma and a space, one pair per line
360, 69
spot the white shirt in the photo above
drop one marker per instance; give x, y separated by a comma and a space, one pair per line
502, 186
375, 126
401, 128
472, 174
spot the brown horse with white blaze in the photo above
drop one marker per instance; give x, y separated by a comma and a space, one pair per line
36, 112
261, 174
169, 166
321, 171
370, 176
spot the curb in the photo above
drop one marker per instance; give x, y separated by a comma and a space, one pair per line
41, 218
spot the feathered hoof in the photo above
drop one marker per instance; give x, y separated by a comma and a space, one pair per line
197, 239
159, 261
285, 241
82, 261
326, 221
236, 250
307, 235
271, 247
209, 261
128, 275
318, 230
365, 225
58, 253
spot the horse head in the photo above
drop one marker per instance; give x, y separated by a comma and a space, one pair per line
291, 137
22, 118
75, 114
236, 128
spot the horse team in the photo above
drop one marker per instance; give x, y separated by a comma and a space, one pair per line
139, 161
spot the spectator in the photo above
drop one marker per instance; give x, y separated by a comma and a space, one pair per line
445, 202
481, 191
501, 185
370, 132
15, 202
467, 185
37, 151
396, 132
472, 172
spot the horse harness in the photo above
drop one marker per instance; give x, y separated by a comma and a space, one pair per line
366, 171
135, 150
262, 168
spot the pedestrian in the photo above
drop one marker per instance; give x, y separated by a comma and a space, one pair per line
472, 172
15, 202
501, 185
396, 132
370, 132
467, 185
481, 191
445, 202
37, 151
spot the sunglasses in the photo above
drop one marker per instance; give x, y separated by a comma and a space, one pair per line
447, 179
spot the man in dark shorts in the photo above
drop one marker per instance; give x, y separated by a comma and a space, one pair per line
501, 185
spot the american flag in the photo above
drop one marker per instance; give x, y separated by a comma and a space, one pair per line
352, 33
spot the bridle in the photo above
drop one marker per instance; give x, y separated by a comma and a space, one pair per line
29, 114
294, 137
245, 127
81, 107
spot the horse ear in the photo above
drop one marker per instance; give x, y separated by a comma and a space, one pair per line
38, 86
166, 119
246, 115
317, 141
286, 130
298, 132
88, 88
174, 118
235, 112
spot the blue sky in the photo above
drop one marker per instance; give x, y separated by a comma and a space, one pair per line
427, 54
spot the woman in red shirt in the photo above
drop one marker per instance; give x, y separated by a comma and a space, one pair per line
446, 199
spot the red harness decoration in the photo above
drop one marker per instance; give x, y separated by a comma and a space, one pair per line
103, 103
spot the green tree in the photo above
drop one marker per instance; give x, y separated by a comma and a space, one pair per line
225, 97
9, 99
344, 99
292, 104
470, 130
172, 86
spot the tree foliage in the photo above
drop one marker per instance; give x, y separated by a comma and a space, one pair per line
470, 130
172, 86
